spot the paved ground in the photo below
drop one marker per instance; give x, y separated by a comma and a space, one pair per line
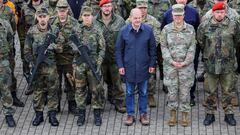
113, 121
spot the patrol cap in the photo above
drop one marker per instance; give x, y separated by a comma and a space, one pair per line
102, 2
142, 3
219, 6
178, 9
86, 10
62, 4
42, 11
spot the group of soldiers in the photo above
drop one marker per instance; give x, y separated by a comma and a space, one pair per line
97, 28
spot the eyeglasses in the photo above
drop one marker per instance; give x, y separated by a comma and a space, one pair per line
106, 6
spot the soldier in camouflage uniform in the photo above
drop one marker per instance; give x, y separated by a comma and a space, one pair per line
7, 14
219, 37
178, 47
234, 16
153, 22
64, 58
26, 21
110, 23
83, 75
47, 77
6, 43
119, 7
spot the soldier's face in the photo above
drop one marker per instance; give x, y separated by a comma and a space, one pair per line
1, 2
178, 19
42, 20
87, 19
136, 18
143, 10
62, 14
184, 2
219, 15
107, 9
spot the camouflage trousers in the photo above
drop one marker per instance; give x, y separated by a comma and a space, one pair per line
211, 87
13, 85
46, 84
62, 72
22, 36
179, 83
152, 84
83, 79
113, 80
5, 82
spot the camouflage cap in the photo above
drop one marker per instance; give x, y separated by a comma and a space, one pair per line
42, 11
142, 3
86, 10
62, 4
178, 9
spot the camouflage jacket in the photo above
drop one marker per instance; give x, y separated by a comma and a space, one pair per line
178, 45
6, 40
35, 39
110, 33
231, 13
7, 14
157, 8
66, 56
94, 39
155, 25
218, 41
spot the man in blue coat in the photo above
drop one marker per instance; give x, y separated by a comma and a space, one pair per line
136, 58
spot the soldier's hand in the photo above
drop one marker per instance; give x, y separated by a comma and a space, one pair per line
151, 70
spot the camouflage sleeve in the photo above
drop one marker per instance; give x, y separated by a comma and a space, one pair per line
164, 46
157, 32
191, 50
10, 36
237, 35
28, 46
102, 47
200, 36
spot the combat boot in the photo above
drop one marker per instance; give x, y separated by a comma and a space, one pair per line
81, 117
97, 117
38, 118
229, 119
16, 101
120, 106
184, 121
151, 101
209, 119
172, 121
10, 121
52, 118
72, 107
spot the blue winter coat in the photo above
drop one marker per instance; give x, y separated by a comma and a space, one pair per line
136, 52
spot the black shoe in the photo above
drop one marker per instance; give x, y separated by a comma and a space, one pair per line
10, 121
72, 107
229, 119
209, 119
201, 78
38, 119
16, 101
165, 90
97, 117
192, 102
52, 118
81, 117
